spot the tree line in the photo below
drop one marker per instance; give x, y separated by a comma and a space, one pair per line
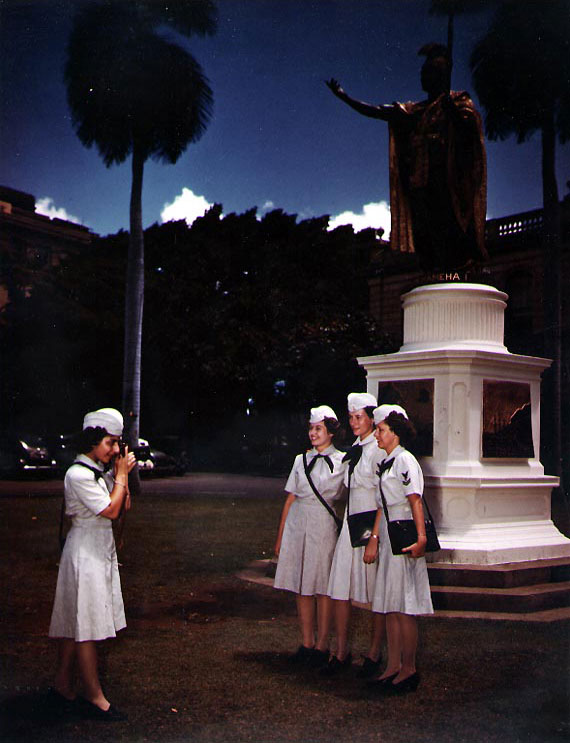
248, 322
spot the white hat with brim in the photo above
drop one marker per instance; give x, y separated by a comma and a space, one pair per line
108, 418
383, 411
320, 413
360, 400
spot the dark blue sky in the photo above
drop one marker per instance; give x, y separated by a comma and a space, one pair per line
278, 137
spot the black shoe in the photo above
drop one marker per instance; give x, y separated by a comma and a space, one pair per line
336, 666
60, 705
369, 668
318, 659
302, 656
381, 684
404, 687
92, 712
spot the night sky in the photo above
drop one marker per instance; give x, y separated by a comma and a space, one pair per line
278, 137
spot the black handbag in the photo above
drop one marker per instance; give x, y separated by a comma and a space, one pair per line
403, 532
359, 524
360, 527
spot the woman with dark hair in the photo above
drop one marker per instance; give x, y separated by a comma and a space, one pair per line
402, 587
308, 532
88, 604
350, 579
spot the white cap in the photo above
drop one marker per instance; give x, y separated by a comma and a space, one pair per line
382, 412
108, 418
320, 413
359, 400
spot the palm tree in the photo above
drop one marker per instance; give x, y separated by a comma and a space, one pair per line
521, 73
132, 90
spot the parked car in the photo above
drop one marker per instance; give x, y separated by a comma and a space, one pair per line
177, 448
24, 455
150, 460
158, 462
142, 453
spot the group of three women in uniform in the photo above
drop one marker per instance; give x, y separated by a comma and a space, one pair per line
326, 572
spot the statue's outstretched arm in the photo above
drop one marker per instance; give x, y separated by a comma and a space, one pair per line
386, 113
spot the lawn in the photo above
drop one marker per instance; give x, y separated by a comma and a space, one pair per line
204, 657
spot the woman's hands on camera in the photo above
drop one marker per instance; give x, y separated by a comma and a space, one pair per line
124, 461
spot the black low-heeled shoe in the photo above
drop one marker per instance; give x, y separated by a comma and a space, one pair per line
335, 666
318, 659
59, 704
301, 656
381, 684
408, 684
92, 712
368, 668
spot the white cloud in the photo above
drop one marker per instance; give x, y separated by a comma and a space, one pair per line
374, 215
46, 207
267, 206
187, 205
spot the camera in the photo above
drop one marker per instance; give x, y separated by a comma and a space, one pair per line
122, 448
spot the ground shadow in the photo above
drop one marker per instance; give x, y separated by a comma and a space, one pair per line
219, 603
27, 717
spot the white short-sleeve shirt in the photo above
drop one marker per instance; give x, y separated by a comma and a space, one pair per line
329, 484
364, 474
404, 478
85, 495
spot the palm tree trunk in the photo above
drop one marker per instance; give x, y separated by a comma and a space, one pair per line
552, 293
134, 299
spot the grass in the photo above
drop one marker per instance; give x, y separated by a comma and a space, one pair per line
204, 657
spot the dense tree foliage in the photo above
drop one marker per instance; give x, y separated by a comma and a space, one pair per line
248, 323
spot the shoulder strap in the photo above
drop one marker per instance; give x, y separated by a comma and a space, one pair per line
338, 522
384, 467
98, 474
353, 457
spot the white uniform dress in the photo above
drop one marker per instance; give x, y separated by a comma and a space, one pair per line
402, 583
351, 578
88, 601
310, 532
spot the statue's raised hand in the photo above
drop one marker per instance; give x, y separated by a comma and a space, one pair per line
334, 86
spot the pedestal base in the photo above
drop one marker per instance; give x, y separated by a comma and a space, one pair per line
500, 543
484, 482
489, 521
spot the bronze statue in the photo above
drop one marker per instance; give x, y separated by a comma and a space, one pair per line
438, 181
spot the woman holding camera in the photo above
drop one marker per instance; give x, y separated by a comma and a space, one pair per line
88, 604
402, 587
308, 532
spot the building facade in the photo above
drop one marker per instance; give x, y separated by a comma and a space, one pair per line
31, 243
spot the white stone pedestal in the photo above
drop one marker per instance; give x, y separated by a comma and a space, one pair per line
487, 510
